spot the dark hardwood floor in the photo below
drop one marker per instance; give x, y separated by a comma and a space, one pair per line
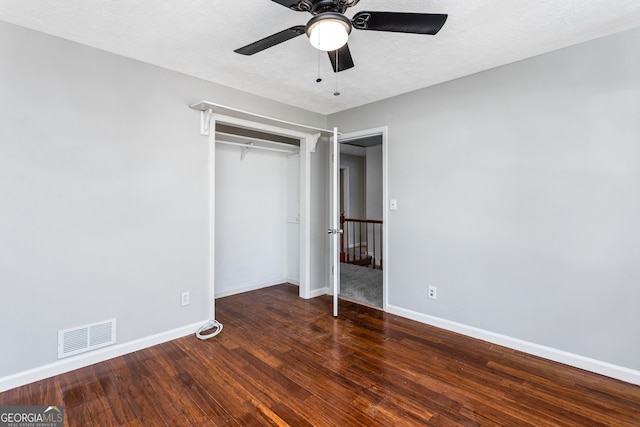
281, 360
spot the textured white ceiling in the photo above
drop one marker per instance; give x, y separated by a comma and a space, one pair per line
197, 37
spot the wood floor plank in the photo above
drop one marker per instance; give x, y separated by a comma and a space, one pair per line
218, 383
121, 409
285, 361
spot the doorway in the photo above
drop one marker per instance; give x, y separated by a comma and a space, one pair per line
210, 123
362, 217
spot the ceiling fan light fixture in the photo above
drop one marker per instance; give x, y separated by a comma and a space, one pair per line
328, 31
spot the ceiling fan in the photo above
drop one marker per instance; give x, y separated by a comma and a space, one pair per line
329, 28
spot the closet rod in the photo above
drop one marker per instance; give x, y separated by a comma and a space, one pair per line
250, 145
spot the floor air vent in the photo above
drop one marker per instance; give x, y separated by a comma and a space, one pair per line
86, 338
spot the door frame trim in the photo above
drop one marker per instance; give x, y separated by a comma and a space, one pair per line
308, 144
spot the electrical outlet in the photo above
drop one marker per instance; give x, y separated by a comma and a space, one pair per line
184, 298
433, 292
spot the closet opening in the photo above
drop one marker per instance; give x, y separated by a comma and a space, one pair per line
257, 209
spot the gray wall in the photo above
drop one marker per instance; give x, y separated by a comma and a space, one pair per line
357, 184
103, 193
519, 198
374, 182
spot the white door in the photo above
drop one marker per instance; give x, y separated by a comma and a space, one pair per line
334, 230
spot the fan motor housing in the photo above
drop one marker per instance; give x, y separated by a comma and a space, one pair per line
320, 6
334, 16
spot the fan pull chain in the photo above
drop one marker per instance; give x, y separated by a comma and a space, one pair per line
336, 93
319, 79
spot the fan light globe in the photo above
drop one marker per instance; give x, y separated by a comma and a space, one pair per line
328, 31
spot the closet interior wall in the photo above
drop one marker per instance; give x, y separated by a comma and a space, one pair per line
257, 217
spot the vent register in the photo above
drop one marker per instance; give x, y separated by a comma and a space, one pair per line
86, 338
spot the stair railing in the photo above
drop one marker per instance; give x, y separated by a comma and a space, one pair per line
361, 242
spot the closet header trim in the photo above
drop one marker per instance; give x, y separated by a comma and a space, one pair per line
230, 111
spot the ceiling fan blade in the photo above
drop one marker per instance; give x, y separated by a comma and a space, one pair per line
399, 22
271, 41
344, 59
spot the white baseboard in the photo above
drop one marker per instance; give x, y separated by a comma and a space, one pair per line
318, 292
588, 364
250, 287
86, 359
80, 361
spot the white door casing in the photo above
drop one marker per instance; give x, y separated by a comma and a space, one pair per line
308, 143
